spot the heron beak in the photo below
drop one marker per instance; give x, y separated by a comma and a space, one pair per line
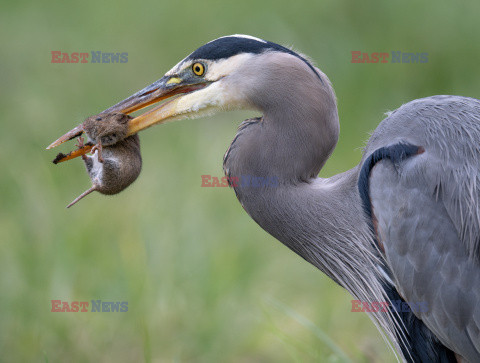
165, 88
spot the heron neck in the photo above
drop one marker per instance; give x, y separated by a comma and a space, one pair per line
323, 222
298, 133
283, 152
320, 220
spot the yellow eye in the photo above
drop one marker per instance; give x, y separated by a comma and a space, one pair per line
198, 69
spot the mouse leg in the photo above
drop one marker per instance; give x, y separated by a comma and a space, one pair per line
98, 147
80, 145
87, 159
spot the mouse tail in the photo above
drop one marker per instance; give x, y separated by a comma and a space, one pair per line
81, 196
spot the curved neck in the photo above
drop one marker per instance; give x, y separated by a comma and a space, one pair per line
299, 128
283, 153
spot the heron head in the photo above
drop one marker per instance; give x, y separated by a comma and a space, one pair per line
225, 74
231, 72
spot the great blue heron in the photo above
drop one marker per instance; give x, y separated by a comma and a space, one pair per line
402, 225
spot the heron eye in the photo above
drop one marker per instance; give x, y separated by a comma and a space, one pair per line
198, 69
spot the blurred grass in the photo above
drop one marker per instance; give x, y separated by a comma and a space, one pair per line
193, 267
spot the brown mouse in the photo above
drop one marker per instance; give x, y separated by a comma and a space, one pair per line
105, 130
122, 163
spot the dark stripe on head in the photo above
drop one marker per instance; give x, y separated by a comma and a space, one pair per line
229, 46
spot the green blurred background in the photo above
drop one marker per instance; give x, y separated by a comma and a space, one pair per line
203, 282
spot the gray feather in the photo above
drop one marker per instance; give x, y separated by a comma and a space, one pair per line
427, 210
